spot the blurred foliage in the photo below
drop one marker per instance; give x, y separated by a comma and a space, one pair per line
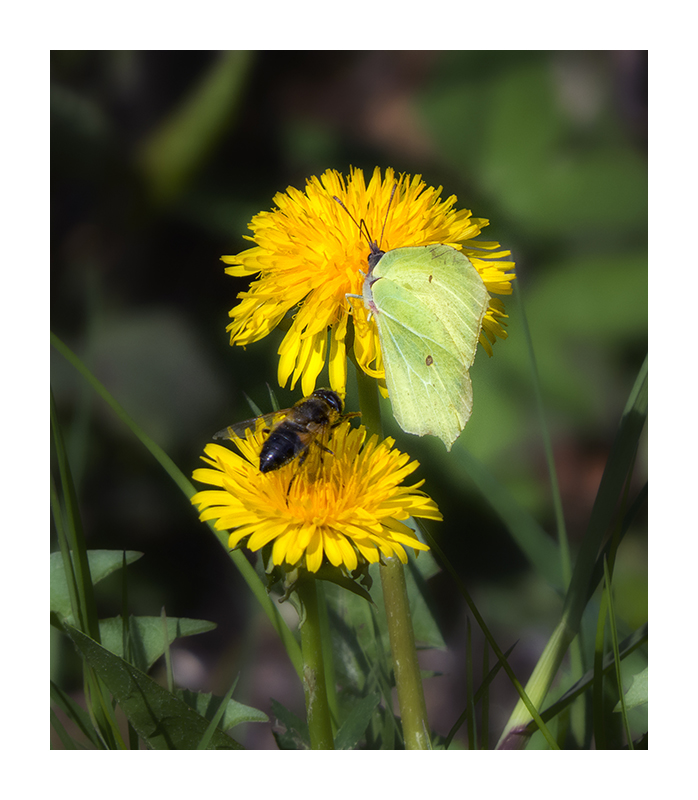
159, 161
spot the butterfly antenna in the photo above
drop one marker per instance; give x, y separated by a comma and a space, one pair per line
360, 225
363, 228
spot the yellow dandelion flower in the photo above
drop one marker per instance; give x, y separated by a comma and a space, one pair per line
309, 255
347, 507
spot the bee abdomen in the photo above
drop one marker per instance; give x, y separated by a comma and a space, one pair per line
279, 449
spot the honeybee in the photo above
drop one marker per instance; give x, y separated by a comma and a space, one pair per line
294, 429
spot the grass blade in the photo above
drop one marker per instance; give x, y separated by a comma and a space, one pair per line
245, 568
616, 655
611, 488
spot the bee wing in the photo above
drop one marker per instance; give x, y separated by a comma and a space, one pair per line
241, 430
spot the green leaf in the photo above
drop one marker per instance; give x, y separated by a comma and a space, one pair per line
163, 721
296, 735
637, 693
147, 639
208, 704
355, 614
361, 647
102, 563
352, 667
356, 723
426, 629
333, 575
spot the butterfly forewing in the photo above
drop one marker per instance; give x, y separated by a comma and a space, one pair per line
429, 304
429, 387
445, 284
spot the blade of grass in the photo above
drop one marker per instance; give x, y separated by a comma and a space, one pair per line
79, 580
615, 474
69, 571
217, 717
72, 539
75, 714
612, 545
525, 700
610, 490
482, 693
605, 564
66, 739
126, 641
565, 562
485, 688
626, 647
168, 657
576, 650
246, 570
470, 696
616, 655
125, 617
535, 544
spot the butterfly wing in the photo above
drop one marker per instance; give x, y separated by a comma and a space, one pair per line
448, 285
429, 303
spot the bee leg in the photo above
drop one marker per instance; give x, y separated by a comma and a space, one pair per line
343, 417
290, 484
301, 461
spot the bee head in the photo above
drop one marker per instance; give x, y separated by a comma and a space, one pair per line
331, 398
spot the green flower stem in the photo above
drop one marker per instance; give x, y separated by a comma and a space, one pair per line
369, 403
317, 707
410, 694
330, 681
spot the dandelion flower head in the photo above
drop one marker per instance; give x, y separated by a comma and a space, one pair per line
309, 256
347, 507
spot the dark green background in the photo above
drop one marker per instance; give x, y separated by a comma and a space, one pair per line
159, 161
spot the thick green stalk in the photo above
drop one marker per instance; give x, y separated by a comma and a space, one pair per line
317, 707
410, 694
369, 403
